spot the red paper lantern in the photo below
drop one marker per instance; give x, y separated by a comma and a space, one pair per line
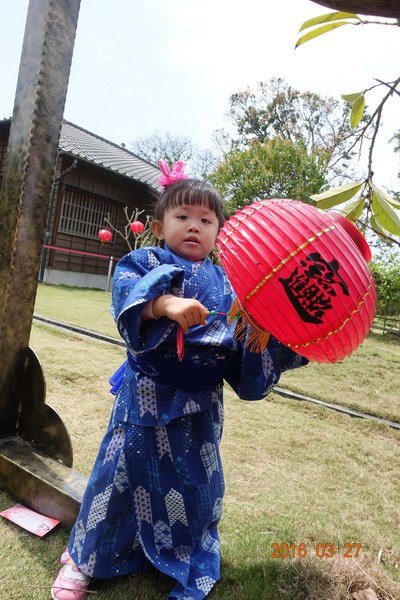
299, 275
355, 235
136, 227
105, 235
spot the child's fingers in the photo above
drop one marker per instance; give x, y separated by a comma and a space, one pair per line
194, 315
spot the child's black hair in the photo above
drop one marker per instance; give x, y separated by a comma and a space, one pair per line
190, 191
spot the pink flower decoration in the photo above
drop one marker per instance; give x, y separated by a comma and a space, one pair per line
171, 175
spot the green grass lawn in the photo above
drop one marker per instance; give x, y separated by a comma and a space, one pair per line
295, 474
368, 381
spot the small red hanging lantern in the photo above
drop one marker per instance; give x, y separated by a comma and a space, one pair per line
136, 226
299, 275
105, 235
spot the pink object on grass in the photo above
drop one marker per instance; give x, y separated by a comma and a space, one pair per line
29, 519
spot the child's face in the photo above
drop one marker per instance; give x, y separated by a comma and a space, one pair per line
189, 230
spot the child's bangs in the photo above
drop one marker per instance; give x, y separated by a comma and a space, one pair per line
190, 192
194, 197
200, 196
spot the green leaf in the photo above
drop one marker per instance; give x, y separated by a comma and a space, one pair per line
384, 214
351, 98
320, 31
357, 111
353, 210
337, 195
385, 196
378, 229
332, 16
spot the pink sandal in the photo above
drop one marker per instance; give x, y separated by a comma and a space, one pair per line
71, 583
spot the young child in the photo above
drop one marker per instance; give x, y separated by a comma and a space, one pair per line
154, 497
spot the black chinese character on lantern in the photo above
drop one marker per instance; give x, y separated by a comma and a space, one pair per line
311, 286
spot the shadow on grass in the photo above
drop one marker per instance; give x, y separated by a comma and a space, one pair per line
269, 581
272, 580
301, 579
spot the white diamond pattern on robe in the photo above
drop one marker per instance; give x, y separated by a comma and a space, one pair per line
191, 407
136, 542
268, 369
116, 443
80, 536
215, 333
88, 568
175, 507
162, 535
152, 260
141, 500
227, 286
205, 584
128, 275
163, 446
217, 511
146, 392
209, 457
98, 508
178, 291
267, 363
209, 543
182, 553
121, 480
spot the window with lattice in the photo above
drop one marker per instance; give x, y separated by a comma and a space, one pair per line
83, 213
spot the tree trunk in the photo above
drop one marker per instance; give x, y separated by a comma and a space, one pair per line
379, 8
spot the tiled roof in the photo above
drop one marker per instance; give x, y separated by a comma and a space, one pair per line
90, 147
96, 150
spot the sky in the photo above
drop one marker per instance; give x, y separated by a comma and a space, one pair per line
141, 66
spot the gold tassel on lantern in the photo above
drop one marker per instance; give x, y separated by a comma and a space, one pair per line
247, 330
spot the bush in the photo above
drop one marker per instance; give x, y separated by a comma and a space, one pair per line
387, 278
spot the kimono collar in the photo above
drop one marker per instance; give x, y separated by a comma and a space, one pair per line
184, 262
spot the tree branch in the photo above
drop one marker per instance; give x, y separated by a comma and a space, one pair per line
375, 115
378, 8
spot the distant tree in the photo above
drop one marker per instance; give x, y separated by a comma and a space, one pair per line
170, 147
275, 168
167, 146
203, 163
276, 109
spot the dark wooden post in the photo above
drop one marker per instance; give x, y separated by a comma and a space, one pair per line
27, 424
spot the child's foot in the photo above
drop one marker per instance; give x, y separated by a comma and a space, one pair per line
71, 583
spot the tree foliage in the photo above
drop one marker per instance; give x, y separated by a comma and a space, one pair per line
286, 144
167, 146
386, 272
274, 168
276, 109
171, 148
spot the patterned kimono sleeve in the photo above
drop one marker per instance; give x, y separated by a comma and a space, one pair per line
253, 375
139, 277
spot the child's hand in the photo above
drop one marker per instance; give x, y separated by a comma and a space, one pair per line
186, 311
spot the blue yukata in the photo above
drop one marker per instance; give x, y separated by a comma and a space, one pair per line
155, 494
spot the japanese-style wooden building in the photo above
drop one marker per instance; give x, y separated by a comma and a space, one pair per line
94, 179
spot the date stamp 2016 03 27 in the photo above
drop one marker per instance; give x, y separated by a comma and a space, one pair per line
320, 550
